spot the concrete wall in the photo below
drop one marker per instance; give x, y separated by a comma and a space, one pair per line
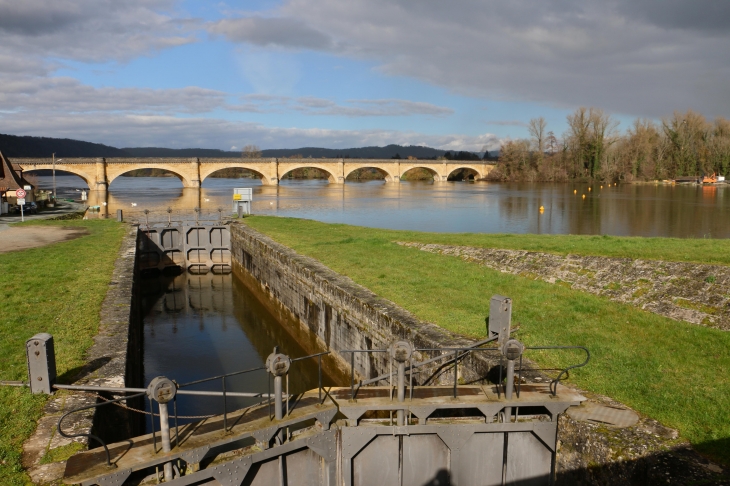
338, 312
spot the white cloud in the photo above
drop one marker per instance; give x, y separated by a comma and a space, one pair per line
639, 58
91, 30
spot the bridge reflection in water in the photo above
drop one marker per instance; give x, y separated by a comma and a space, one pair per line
679, 211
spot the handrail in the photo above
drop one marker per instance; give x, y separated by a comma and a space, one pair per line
554, 384
91, 436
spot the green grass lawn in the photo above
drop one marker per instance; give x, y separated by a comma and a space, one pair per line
674, 372
56, 289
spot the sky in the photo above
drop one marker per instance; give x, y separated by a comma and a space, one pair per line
456, 75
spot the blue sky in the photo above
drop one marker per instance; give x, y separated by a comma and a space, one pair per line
341, 73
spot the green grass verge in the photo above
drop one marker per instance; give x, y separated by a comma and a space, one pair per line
675, 372
56, 289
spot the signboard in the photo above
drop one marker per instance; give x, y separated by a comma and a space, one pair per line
27, 188
236, 197
21, 201
20, 193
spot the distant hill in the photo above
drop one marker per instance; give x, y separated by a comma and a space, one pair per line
188, 152
24, 146
14, 146
358, 153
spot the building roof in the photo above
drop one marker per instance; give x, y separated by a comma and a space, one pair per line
10, 177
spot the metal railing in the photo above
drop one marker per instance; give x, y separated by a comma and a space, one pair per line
156, 392
454, 355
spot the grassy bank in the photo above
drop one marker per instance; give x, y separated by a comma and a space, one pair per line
674, 372
56, 289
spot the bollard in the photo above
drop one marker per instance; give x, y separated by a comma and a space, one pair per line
511, 350
500, 318
401, 351
162, 390
120, 216
41, 360
240, 210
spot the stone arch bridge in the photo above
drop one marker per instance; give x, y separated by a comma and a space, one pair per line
100, 172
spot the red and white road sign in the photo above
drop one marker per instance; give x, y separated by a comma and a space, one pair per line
20, 193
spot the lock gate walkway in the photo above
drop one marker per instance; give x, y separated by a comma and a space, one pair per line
334, 439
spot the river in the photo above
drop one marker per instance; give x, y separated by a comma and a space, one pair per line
681, 211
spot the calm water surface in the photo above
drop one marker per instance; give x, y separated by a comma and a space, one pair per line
684, 211
198, 326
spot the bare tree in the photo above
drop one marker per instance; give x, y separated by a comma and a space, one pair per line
251, 152
537, 128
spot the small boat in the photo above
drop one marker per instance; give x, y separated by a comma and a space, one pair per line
720, 178
709, 179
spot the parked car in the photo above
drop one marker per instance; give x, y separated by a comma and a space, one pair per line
28, 208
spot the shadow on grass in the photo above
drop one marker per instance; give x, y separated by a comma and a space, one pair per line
79, 372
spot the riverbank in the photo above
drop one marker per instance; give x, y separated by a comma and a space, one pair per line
672, 371
57, 289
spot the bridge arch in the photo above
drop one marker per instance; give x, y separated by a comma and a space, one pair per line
113, 174
464, 173
386, 174
209, 171
330, 177
64, 169
432, 172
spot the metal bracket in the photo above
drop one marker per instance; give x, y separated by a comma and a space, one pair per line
353, 414
325, 418
422, 413
455, 436
264, 436
354, 439
490, 410
556, 409
196, 455
325, 445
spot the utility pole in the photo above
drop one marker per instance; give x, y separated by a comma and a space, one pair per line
54, 178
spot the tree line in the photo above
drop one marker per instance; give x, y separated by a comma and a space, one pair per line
592, 148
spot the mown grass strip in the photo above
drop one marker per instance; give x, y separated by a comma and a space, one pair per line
675, 372
56, 289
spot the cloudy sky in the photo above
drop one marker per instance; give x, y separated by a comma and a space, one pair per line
462, 74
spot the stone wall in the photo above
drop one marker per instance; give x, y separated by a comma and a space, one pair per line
338, 312
690, 292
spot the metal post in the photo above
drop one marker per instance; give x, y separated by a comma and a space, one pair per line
278, 411
319, 372
352, 375
225, 408
54, 179
120, 216
456, 370
401, 391
240, 210
508, 388
165, 433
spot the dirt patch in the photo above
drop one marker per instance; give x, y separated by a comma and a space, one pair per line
690, 292
25, 237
